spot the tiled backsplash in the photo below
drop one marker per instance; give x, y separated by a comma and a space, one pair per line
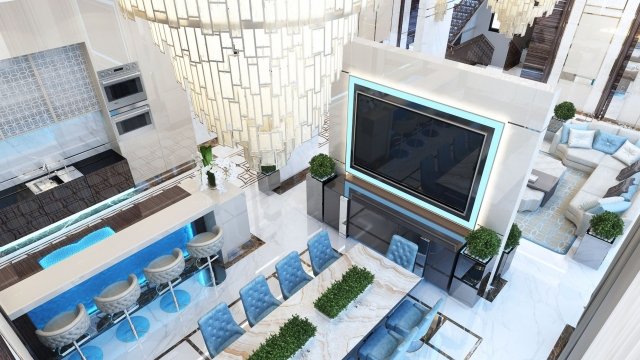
44, 88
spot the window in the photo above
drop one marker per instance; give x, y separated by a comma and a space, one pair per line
494, 24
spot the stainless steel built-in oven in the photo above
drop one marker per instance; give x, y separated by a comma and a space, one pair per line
122, 86
132, 118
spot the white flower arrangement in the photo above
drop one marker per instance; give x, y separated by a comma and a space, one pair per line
222, 168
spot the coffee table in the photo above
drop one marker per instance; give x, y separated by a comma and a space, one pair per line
546, 183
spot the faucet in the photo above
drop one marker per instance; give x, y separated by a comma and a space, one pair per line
45, 167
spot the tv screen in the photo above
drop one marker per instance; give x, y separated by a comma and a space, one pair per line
434, 156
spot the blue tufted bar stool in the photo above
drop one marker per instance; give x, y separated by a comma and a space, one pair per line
320, 252
257, 300
218, 329
402, 252
291, 275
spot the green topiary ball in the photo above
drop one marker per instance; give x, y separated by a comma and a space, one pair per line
322, 166
483, 243
514, 237
565, 111
607, 225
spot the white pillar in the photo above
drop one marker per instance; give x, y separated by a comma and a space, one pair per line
432, 36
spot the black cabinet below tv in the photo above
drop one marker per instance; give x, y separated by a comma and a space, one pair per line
372, 220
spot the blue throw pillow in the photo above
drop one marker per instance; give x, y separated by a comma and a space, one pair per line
617, 207
596, 210
564, 137
606, 142
629, 194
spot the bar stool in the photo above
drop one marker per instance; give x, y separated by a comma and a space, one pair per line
66, 328
120, 297
165, 269
206, 245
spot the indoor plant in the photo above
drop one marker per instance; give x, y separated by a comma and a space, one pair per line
513, 240
322, 167
344, 291
206, 157
564, 111
596, 243
270, 179
607, 226
291, 337
483, 243
321, 171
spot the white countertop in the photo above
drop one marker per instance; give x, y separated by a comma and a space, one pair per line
48, 283
334, 338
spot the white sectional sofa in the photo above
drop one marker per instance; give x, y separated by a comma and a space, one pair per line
603, 169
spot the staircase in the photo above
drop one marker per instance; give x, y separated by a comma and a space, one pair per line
547, 33
477, 51
462, 13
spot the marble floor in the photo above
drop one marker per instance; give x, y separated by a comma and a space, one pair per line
545, 291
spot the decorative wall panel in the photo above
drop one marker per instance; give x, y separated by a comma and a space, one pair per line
37, 90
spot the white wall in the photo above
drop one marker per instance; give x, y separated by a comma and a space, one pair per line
523, 106
432, 36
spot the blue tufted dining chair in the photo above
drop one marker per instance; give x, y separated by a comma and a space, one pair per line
402, 252
257, 300
291, 275
320, 252
219, 329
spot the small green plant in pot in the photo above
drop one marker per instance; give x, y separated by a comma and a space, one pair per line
322, 167
564, 111
607, 226
483, 243
513, 239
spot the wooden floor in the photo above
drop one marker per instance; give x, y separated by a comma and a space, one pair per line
23, 268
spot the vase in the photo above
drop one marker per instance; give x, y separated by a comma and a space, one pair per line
211, 179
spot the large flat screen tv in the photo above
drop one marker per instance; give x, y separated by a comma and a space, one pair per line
433, 155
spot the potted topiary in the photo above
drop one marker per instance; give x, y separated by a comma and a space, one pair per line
564, 111
474, 264
595, 245
270, 178
322, 169
509, 251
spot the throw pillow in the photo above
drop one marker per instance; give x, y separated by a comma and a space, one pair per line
628, 195
581, 138
610, 199
607, 143
628, 171
596, 210
628, 153
564, 136
616, 207
618, 189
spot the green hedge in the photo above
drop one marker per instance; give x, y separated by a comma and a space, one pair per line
290, 338
342, 292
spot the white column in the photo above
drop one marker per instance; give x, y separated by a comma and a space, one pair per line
432, 36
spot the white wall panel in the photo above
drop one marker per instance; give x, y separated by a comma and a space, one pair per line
590, 45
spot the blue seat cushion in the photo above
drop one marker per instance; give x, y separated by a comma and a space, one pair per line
69, 250
607, 143
406, 317
330, 260
380, 345
564, 136
263, 314
218, 329
320, 252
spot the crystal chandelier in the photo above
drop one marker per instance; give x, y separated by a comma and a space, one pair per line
258, 71
516, 15
440, 10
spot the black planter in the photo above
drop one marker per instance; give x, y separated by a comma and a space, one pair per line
315, 196
211, 179
269, 181
470, 277
505, 261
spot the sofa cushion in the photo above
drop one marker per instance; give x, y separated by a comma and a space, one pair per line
600, 181
582, 202
619, 188
632, 135
564, 137
612, 163
607, 142
628, 153
588, 157
581, 138
628, 195
617, 207
604, 126
628, 171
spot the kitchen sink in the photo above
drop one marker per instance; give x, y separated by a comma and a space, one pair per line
54, 179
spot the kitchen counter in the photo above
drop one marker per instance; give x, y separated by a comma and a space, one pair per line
20, 192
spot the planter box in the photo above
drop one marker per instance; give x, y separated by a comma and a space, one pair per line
592, 250
269, 181
315, 196
470, 277
505, 261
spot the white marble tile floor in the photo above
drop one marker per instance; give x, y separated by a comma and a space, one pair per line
544, 292
453, 341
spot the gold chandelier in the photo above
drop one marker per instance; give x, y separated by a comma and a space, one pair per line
516, 15
258, 71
